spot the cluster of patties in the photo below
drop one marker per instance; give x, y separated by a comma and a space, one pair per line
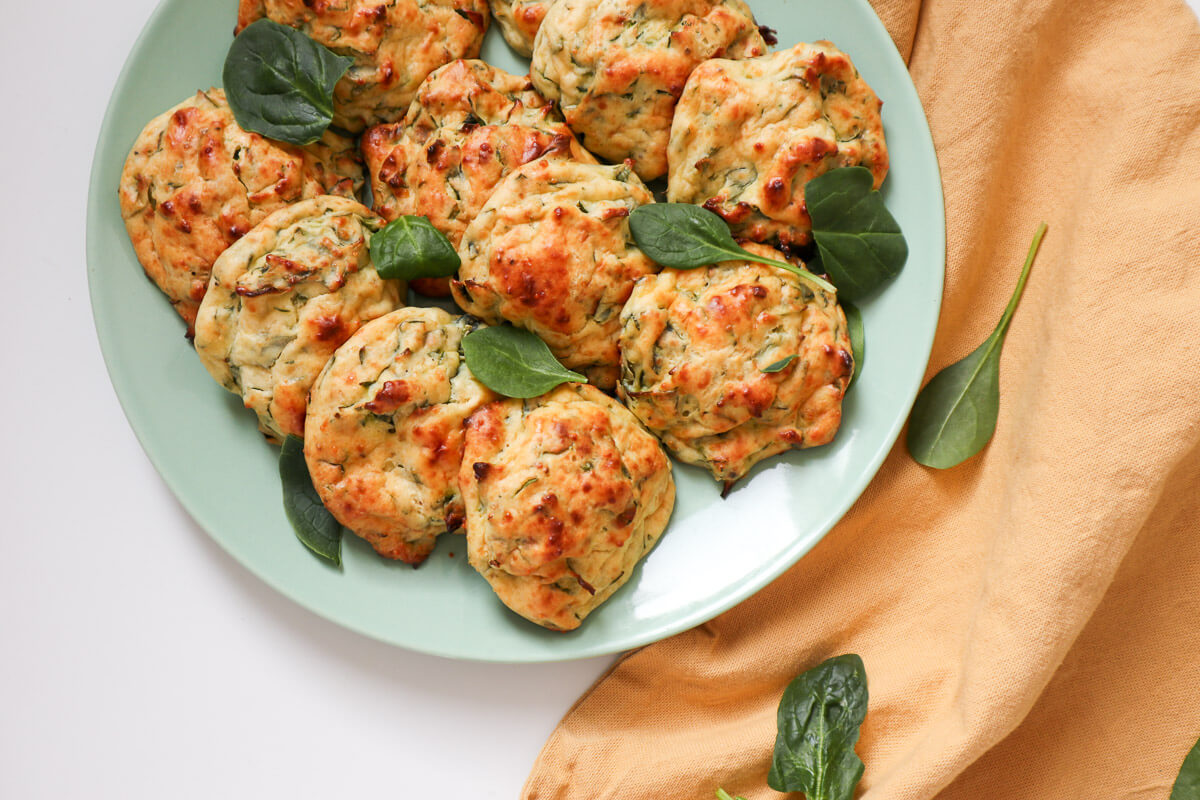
264, 249
469, 126
617, 67
749, 135
733, 363
395, 44
195, 182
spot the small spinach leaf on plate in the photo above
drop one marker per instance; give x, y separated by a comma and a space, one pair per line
314, 525
860, 243
514, 362
955, 415
685, 236
858, 340
410, 247
1187, 785
280, 83
819, 719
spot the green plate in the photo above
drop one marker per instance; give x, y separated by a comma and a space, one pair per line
715, 552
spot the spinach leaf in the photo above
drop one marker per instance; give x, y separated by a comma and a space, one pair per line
410, 247
514, 362
1187, 785
314, 525
280, 83
819, 719
859, 241
779, 365
684, 236
954, 416
858, 341
724, 795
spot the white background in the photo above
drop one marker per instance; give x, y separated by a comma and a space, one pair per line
137, 659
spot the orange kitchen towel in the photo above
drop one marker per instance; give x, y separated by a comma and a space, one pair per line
1029, 620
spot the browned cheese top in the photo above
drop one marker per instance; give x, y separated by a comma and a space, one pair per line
749, 135
551, 251
564, 493
195, 182
694, 344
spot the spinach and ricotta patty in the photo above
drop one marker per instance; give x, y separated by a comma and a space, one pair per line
470, 125
395, 44
385, 427
564, 493
195, 182
283, 298
749, 135
551, 251
519, 21
694, 347
617, 67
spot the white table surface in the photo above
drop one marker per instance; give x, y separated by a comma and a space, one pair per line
138, 660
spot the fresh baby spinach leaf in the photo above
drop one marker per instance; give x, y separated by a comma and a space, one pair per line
314, 525
724, 795
1187, 785
779, 365
514, 362
954, 416
685, 236
280, 83
410, 247
859, 241
858, 341
819, 719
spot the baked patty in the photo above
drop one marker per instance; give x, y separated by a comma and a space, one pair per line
395, 44
617, 67
283, 298
384, 433
749, 135
551, 251
694, 346
195, 182
564, 493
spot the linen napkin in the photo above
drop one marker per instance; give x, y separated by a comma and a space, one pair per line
1029, 620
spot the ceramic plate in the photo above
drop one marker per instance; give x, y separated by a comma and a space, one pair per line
715, 552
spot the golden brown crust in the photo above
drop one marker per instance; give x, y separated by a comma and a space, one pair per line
384, 433
749, 135
551, 251
564, 493
194, 183
694, 345
617, 67
395, 44
283, 298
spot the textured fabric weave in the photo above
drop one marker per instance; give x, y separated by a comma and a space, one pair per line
1030, 620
